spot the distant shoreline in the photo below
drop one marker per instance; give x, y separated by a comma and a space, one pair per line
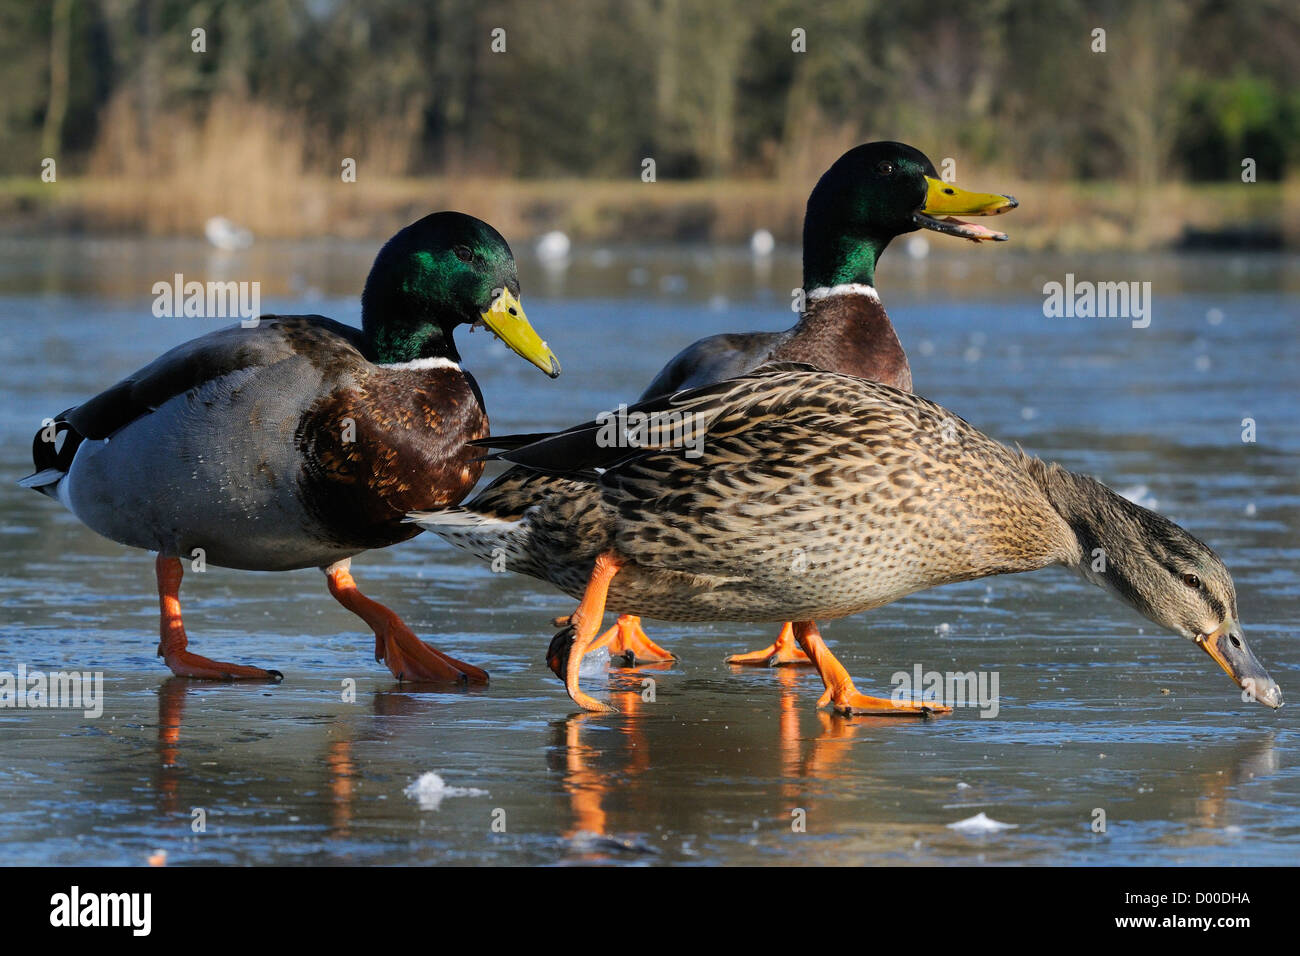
1083, 217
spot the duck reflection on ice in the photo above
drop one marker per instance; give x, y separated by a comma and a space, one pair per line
617, 773
604, 763
341, 767
588, 777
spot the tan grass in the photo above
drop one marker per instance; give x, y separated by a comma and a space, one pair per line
269, 172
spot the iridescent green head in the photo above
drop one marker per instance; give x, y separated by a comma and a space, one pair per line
873, 193
445, 270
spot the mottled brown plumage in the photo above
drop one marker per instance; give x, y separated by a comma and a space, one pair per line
872, 491
847, 332
818, 495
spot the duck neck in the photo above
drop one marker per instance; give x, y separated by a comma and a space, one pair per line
400, 340
1108, 533
839, 260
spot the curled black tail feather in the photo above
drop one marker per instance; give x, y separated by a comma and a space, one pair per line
53, 456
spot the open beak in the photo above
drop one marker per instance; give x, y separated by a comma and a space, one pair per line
505, 317
1227, 645
946, 200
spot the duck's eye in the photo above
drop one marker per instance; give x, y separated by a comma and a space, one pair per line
464, 253
1191, 580
885, 167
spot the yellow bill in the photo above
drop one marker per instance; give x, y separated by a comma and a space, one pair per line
505, 317
949, 201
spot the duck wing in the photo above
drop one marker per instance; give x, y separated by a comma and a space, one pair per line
713, 359
586, 451
188, 366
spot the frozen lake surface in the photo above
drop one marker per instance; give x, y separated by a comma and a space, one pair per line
1097, 711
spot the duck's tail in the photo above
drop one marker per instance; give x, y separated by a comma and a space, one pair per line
503, 543
43, 481
53, 448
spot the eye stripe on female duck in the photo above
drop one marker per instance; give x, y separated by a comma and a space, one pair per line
871, 194
301, 442
899, 495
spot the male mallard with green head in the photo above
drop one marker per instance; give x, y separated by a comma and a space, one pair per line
870, 195
301, 442
884, 492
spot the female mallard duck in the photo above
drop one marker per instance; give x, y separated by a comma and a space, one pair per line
871, 194
885, 493
301, 442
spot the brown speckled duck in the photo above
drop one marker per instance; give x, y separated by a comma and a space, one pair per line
871, 194
883, 492
301, 442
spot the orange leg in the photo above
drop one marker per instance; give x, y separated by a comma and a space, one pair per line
840, 692
172, 640
633, 645
569, 646
784, 652
408, 657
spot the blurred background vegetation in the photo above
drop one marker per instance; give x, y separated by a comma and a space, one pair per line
1139, 146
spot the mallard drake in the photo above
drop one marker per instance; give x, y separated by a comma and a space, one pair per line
870, 195
301, 442
885, 493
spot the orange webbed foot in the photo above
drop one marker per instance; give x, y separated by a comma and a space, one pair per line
784, 653
845, 699
629, 645
558, 656
185, 664
840, 692
570, 645
411, 659
173, 641
396, 645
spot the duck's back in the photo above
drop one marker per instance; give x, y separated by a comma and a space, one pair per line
713, 359
843, 330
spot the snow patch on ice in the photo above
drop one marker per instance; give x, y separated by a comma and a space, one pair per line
980, 824
430, 790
